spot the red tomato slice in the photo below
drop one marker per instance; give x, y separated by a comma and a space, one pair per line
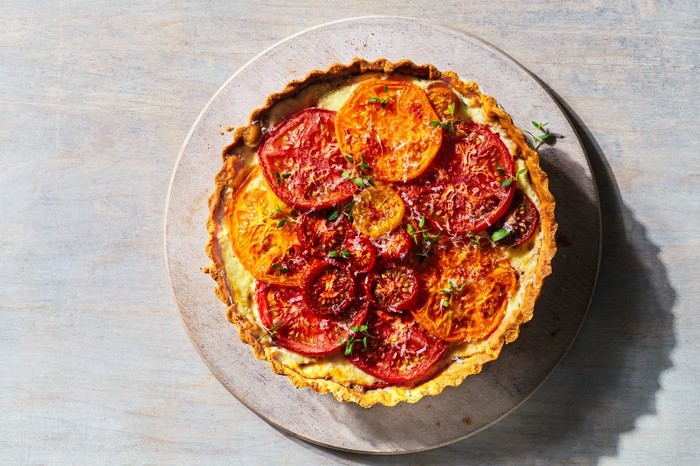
398, 349
321, 236
394, 245
328, 288
463, 190
465, 290
392, 288
362, 255
294, 326
520, 221
302, 163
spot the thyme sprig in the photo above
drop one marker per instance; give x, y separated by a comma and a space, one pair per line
360, 174
279, 210
448, 124
427, 238
360, 333
344, 253
271, 332
377, 99
544, 136
451, 292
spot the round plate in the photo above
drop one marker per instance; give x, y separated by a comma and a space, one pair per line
482, 399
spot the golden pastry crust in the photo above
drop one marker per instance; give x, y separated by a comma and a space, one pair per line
462, 359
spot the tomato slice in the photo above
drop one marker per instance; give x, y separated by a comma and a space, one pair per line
361, 253
320, 235
294, 326
262, 235
377, 210
388, 122
302, 163
465, 290
328, 288
394, 245
444, 100
520, 221
464, 190
398, 349
392, 288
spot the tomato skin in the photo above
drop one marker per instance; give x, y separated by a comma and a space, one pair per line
392, 288
302, 163
463, 190
363, 253
321, 236
378, 210
398, 350
328, 287
520, 221
267, 249
296, 327
395, 245
465, 289
389, 120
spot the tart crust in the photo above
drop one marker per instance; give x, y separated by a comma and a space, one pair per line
463, 359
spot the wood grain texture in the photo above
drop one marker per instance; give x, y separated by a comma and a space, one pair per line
96, 99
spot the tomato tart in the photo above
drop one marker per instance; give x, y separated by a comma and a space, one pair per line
379, 230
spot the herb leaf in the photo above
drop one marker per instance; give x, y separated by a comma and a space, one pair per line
499, 234
333, 215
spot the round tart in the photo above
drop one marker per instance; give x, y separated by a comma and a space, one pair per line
379, 231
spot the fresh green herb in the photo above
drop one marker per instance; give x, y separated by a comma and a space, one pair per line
344, 253
280, 176
509, 181
544, 137
360, 333
499, 234
347, 211
500, 170
332, 215
451, 109
272, 331
377, 99
450, 292
427, 238
280, 269
282, 222
360, 180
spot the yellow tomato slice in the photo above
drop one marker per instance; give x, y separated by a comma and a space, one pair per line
377, 210
465, 291
262, 234
388, 122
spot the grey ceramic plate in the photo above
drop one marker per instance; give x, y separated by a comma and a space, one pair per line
458, 412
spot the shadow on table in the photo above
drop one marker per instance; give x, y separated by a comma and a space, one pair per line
610, 377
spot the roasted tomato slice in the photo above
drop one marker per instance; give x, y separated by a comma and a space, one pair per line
398, 349
464, 190
465, 290
394, 245
445, 102
377, 210
392, 288
388, 122
262, 235
360, 253
328, 287
302, 163
520, 221
294, 326
321, 236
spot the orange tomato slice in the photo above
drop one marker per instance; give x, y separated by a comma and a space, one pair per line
465, 291
378, 210
388, 122
266, 244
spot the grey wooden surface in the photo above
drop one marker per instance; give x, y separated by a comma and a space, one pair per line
96, 99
